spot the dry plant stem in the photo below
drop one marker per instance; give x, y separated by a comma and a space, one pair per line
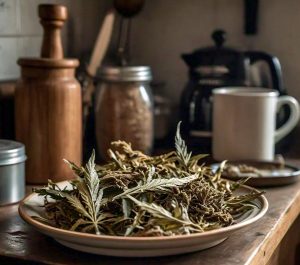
139, 195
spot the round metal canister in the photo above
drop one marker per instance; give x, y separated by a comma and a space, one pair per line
12, 171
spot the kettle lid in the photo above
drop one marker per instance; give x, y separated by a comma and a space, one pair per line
219, 37
217, 54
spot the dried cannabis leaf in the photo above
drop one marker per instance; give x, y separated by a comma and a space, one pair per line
87, 204
161, 213
181, 148
156, 185
139, 195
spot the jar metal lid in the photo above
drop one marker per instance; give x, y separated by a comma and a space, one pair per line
125, 73
11, 152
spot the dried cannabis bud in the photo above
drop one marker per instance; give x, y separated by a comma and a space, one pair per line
140, 195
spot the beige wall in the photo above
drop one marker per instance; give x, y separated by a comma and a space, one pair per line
167, 28
164, 30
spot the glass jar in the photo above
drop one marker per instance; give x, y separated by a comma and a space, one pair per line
124, 108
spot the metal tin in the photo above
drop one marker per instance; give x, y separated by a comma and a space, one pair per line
12, 171
125, 73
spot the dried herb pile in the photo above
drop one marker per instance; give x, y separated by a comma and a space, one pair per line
140, 195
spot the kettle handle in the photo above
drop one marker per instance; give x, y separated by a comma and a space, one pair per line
274, 65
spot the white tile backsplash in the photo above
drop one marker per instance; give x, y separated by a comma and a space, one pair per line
29, 22
9, 56
21, 33
9, 17
29, 46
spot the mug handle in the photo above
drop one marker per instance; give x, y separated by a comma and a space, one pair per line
293, 118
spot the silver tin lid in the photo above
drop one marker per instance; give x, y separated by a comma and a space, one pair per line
125, 73
11, 152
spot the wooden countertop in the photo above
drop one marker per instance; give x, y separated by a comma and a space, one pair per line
252, 245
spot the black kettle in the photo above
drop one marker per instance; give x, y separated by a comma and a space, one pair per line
220, 66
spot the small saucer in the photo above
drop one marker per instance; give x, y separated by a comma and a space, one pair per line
269, 173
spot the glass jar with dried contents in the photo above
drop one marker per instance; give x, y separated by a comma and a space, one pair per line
124, 108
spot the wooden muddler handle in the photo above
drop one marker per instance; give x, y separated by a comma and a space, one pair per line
52, 18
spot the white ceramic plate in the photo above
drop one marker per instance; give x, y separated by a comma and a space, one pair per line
136, 246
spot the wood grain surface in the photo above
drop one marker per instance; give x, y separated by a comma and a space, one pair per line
48, 121
48, 112
256, 244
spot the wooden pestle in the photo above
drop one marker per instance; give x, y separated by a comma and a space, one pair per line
52, 18
48, 109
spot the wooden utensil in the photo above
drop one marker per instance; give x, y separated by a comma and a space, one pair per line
48, 108
98, 54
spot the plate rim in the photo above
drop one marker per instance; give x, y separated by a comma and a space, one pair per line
265, 181
294, 174
63, 232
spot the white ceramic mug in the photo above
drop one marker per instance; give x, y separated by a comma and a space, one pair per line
244, 122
